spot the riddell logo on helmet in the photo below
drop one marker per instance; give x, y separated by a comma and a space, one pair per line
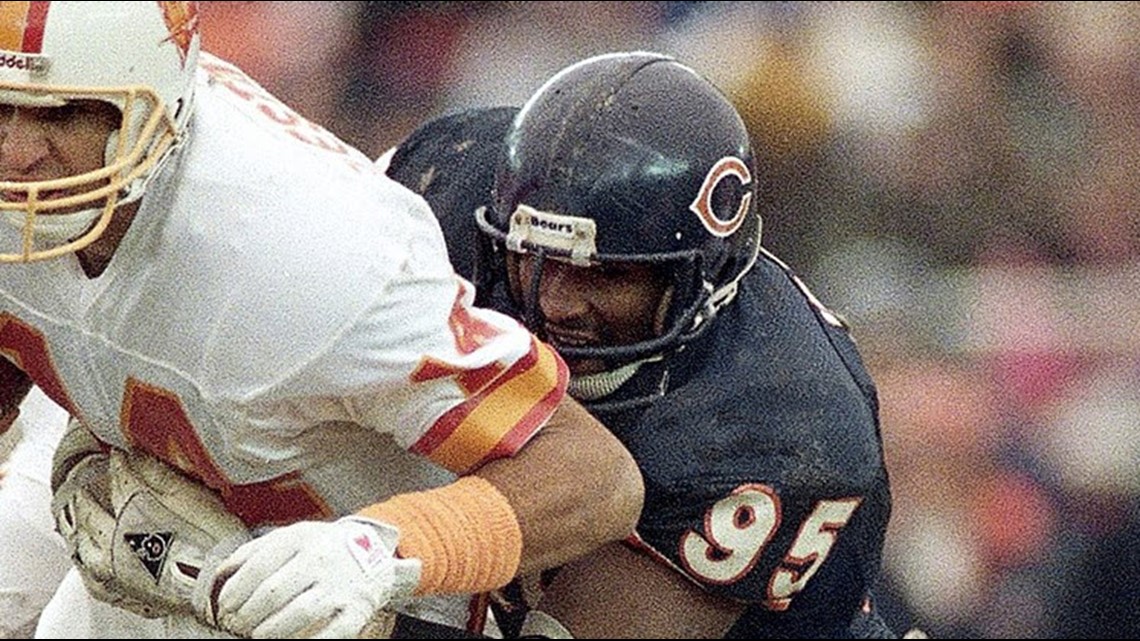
35, 65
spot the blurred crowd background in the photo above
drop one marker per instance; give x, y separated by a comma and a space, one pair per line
960, 180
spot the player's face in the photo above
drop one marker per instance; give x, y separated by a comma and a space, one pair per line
45, 143
599, 306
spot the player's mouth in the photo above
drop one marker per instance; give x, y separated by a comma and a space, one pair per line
565, 338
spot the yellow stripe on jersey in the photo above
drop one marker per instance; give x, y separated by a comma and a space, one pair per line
501, 418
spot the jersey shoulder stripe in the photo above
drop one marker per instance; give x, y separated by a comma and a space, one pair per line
496, 421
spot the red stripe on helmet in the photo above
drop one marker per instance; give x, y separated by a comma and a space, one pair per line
34, 28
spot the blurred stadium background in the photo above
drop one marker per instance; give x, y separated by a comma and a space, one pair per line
960, 180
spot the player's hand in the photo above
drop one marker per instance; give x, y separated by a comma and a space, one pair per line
85, 518
82, 509
308, 580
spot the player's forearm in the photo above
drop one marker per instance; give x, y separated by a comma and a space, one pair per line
569, 505
654, 600
570, 490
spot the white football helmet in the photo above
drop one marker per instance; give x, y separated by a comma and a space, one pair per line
140, 57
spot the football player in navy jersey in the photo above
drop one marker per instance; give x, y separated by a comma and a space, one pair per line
616, 215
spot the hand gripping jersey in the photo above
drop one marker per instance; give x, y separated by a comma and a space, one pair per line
280, 322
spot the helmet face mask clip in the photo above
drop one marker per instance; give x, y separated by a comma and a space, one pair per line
570, 237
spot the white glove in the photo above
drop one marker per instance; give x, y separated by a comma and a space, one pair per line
309, 580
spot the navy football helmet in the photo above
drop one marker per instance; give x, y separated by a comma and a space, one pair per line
630, 157
450, 161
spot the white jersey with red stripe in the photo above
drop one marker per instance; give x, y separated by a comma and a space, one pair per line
281, 322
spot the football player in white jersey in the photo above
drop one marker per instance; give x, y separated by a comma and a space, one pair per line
34, 556
202, 277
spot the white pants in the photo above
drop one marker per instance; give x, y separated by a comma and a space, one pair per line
75, 614
33, 557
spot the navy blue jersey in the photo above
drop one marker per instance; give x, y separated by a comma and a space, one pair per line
759, 442
763, 462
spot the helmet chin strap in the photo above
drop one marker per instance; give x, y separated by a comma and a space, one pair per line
55, 229
591, 387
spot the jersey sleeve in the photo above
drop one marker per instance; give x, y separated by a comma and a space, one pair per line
457, 384
366, 322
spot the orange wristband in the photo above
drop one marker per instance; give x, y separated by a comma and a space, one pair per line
466, 535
